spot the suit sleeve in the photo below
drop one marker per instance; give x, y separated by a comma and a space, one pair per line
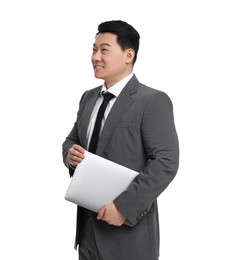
161, 147
72, 138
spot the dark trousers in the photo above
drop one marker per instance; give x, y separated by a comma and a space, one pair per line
87, 248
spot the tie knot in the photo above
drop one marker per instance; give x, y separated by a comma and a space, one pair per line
107, 96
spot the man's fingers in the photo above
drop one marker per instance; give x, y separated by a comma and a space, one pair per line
101, 213
78, 148
75, 154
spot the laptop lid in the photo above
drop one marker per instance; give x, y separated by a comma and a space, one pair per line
98, 181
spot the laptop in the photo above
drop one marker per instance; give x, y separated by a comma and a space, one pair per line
98, 181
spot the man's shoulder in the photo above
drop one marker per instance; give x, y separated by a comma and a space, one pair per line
151, 90
147, 92
88, 93
94, 90
135, 86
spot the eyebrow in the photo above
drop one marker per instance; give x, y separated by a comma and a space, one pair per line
103, 44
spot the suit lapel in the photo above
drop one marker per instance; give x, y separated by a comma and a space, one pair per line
120, 107
89, 105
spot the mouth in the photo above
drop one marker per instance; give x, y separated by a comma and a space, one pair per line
98, 67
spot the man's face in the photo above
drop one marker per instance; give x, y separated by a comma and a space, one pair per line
109, 61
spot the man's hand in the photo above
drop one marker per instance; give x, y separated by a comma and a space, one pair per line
75, 154
111, 215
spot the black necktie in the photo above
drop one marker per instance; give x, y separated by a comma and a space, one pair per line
95, 135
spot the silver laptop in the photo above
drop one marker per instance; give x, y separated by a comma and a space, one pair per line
97, 181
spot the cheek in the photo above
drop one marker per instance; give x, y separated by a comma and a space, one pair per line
92, 58
117, 61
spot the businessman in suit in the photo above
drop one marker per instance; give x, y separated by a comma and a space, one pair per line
137, 131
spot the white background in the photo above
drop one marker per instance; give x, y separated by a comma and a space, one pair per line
189, 49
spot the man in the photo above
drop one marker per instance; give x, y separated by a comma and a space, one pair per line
138, 132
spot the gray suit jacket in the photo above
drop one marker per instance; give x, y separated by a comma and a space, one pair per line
139, 133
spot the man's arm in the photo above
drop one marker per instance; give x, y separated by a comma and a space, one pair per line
72, 152
69, 143
161, 147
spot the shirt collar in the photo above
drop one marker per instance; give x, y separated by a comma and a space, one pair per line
117, 88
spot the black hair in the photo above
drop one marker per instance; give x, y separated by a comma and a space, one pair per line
127, 36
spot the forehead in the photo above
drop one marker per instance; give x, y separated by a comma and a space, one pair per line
105, 38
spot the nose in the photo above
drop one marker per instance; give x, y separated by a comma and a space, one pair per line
96, 56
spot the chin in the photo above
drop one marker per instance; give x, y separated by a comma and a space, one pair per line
98, 76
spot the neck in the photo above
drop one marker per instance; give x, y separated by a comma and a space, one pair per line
112, 82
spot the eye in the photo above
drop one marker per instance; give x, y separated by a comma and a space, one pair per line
105, 50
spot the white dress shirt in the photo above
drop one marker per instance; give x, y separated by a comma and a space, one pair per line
115, 90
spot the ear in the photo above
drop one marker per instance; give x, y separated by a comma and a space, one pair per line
129, 56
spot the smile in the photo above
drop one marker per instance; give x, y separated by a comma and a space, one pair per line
98, 67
